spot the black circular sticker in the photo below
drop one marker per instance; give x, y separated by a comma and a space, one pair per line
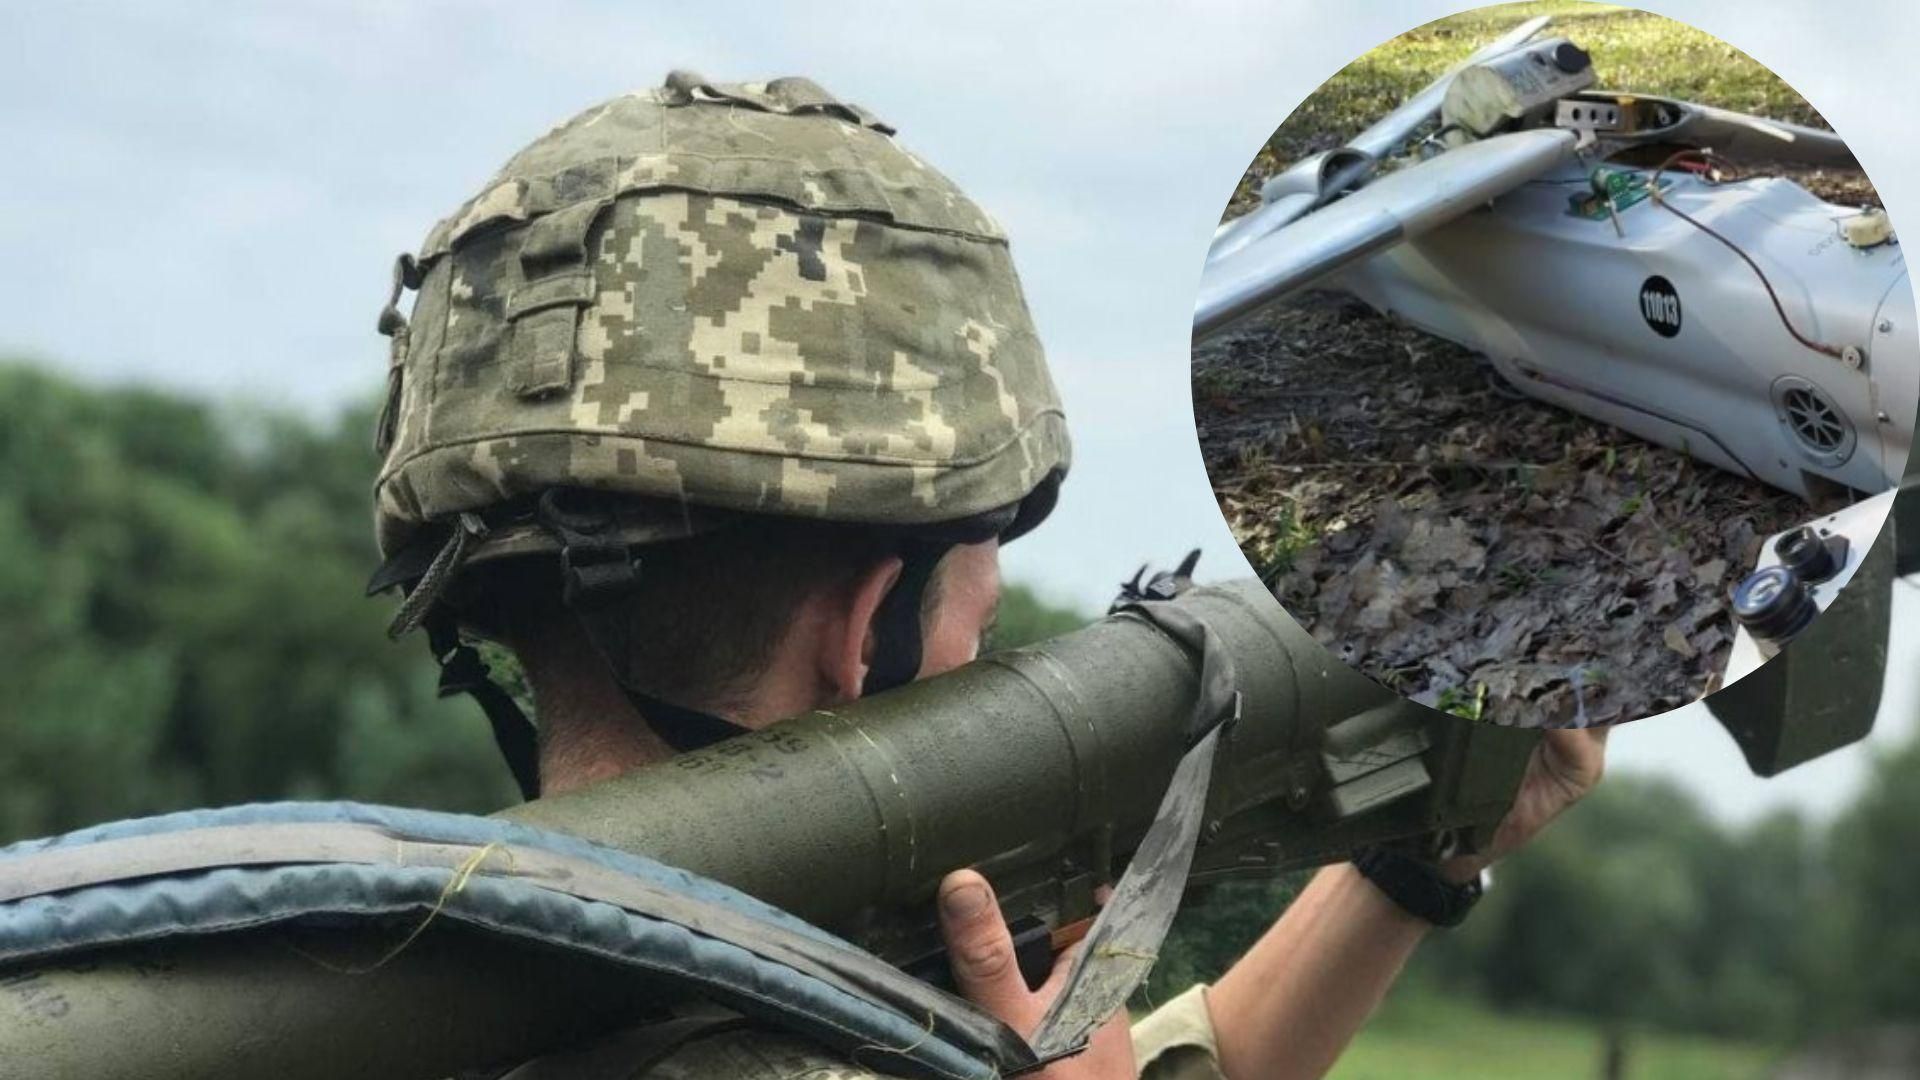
1660, 306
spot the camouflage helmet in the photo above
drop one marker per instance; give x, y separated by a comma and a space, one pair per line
688, 305
713, 299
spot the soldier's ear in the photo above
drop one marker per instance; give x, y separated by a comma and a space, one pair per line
846, 651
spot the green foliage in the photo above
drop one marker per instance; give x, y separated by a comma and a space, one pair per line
1213, 928
1640, 888
1283, 542
1620, 869
1865, 947
183, 622
1025, 618
1463, 703
1640, 910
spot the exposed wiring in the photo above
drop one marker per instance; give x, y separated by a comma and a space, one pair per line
1434, 143
1706, 160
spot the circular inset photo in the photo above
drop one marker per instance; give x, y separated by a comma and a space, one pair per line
1555, 372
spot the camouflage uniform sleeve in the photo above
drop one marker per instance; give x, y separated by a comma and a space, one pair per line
1175, 1041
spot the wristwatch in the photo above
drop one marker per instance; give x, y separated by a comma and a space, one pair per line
1417, 886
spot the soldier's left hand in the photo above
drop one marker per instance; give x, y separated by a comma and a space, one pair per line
980, 949
1566, 764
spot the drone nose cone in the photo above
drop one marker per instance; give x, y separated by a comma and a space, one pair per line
1570, 58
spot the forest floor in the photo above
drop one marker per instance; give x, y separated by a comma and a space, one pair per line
1478, 551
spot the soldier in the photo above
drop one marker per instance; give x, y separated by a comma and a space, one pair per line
714, 407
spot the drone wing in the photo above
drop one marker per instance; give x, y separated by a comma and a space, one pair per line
1620, 120
1314, 180
1740, 137
1392, 209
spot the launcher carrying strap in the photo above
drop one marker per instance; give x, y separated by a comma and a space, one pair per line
1120, 950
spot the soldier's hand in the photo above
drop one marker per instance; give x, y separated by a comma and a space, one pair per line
1566, 765
980, 949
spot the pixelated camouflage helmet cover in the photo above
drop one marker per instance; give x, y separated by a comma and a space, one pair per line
731, 297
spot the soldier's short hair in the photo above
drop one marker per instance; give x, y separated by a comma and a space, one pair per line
709, 611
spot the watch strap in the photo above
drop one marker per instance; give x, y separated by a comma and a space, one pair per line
1417, 886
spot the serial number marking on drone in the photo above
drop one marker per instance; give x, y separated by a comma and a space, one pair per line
1660, 306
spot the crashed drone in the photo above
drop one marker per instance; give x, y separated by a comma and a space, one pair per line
1622, 256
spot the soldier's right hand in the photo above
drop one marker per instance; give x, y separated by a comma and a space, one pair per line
980, 949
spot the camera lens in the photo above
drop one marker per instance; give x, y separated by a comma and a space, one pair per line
1773, 603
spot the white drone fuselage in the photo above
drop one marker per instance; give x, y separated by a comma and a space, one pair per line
1745, 322
1562, 307
1658, 328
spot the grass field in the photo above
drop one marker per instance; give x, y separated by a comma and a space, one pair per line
1429, 1038
1632, 50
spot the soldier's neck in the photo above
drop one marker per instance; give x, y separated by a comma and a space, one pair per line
590, 730
588, 735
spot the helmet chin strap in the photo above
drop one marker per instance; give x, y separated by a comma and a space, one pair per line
898, 639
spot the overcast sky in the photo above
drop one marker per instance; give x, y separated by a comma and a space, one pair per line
212, 201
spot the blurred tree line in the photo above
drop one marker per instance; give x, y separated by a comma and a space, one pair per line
182, 624
182, 618
1639, 907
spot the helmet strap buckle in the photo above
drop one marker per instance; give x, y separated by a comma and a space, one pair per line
598, 571
596, 565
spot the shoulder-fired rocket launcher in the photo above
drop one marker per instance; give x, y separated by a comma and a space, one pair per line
1043, 766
